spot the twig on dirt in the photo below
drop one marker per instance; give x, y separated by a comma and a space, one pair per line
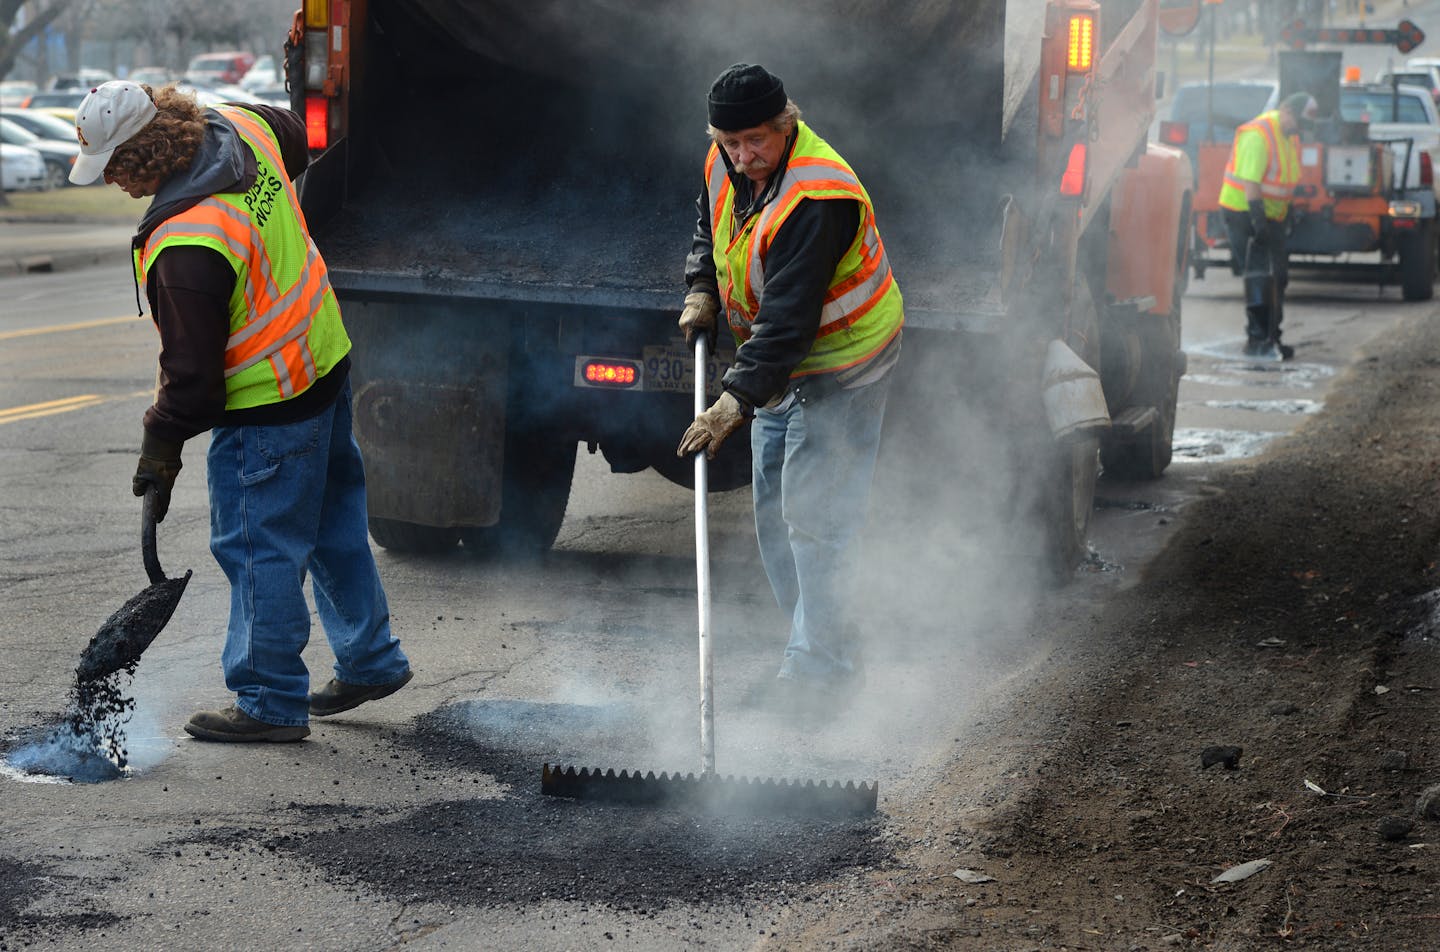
1281, 810
1286, 929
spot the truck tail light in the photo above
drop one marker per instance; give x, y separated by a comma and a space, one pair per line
1080, 51
610, 373
1427, 169
1072, 183
1174, 133
317, 121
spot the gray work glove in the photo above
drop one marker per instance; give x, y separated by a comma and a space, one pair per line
159, 465
712, 427
699, 315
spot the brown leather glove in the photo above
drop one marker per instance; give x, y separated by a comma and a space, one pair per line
699, 315
159, 466
712, 427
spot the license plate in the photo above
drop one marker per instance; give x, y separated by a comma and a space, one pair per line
671, 369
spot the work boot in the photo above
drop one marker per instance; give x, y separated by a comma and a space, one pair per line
234, 726
339, 696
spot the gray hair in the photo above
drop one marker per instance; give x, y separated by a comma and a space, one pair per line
784, 121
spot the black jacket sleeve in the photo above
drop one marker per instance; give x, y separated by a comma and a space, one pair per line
189, 290
799, 266
700, 265
289, 128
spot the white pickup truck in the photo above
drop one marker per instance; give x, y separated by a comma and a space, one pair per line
1406, 117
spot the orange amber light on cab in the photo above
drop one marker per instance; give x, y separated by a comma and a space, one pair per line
1080, 52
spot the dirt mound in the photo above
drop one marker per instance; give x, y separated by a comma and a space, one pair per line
1294, 616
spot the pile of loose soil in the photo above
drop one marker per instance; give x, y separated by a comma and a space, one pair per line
1294, 617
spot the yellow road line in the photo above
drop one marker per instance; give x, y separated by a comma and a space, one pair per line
34, 411
62, 328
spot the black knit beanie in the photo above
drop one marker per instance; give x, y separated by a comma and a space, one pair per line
745, 96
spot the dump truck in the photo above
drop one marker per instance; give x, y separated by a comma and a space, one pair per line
505, 195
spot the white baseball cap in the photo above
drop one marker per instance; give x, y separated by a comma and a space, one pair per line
109, 116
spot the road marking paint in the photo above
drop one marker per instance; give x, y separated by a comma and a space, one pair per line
34, 411
62, 328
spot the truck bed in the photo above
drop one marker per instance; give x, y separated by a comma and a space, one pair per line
546, 158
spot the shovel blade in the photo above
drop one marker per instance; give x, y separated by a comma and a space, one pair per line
710, 793
126, 634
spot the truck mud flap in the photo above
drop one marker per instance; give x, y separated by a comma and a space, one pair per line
434, 453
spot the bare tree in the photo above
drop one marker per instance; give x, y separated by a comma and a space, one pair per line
39, 15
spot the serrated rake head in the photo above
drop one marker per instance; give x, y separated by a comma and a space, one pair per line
711, 793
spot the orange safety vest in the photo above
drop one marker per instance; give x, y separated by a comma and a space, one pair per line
862, 310
1282, 168
285, 327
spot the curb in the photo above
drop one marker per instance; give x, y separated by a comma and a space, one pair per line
46, 263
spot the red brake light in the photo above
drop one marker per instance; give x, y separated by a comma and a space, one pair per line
1073, 181
610, 373
317, 122
1174, 133
1427, 169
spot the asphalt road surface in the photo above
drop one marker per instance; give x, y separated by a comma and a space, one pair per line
417, 819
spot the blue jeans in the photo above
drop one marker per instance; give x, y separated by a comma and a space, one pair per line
813, 465
285, 500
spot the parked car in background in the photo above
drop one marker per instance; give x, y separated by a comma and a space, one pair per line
21, 169
42, 123
1202, 112
213, 69
264, 73
59, 156
151, 75
64, 99
15, 91
84, 81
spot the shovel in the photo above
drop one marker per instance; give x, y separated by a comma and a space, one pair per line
708, 791
127, 633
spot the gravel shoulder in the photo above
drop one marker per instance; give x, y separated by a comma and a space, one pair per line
1295, 616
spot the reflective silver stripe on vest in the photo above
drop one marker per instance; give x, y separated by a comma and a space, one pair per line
311, 309
850, 301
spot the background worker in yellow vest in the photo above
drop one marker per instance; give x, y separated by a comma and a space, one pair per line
1259, 183
252, 349
786, 244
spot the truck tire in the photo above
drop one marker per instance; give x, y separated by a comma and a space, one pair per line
1069, 500
411, 538
535, 489
1417, 263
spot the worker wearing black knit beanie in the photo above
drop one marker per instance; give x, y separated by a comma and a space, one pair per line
787, 248
744, 96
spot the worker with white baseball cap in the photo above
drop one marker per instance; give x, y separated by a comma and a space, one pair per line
254, 351
109, 116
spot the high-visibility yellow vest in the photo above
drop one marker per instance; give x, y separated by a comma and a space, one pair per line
862, 311
1282, 168
285, 327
